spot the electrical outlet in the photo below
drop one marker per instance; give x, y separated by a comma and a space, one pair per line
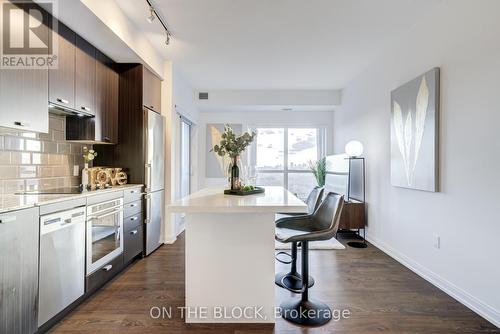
76, 170
437, 241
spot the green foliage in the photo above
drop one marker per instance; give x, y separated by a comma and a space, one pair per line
319, 170
231, 144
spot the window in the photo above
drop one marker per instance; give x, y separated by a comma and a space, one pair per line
282, 156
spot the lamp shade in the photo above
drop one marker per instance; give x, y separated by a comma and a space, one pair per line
354, 148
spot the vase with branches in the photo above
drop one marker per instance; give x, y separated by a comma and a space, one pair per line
232, 146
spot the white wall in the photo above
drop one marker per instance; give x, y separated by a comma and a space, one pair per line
177, 98
265, 100
255, 118
112, 16
462, 38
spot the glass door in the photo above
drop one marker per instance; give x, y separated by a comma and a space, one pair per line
104, 233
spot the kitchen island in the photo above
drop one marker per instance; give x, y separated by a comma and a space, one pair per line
230, 253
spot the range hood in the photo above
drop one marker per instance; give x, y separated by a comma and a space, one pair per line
61, 110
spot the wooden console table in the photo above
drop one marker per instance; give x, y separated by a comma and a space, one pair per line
353, 216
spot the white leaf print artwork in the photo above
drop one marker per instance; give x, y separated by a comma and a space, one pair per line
407, 140
405, 135
420, 115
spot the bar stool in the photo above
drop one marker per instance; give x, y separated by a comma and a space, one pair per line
321, 225
292, 278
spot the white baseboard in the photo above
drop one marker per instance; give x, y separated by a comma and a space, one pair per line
171, 239
476, 305
181, 229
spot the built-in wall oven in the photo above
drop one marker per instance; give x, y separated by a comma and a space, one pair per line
104, 233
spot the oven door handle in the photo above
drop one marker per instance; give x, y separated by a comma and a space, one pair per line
106, 214
115, 207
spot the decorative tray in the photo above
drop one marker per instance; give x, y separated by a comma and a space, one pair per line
241, 192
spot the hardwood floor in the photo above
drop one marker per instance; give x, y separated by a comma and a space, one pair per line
381, 295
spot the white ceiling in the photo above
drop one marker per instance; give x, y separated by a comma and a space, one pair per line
276, 44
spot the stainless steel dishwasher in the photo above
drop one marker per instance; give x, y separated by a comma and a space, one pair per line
62, 261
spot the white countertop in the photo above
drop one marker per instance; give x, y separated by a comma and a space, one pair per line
11, 202
213, 200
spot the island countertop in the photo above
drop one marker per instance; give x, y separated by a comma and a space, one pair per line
213, 200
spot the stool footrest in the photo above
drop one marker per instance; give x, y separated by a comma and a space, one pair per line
284, 261
284, 285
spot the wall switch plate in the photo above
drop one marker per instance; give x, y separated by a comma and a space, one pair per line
76, 170
437, 241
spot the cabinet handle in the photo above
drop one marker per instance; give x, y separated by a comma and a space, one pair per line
133, 219
62, 100
108, 267
152, 107
21, 123
107, 139
148, 209
134, 191
85, 108
134, 232
132, 205
148, 176
7, 219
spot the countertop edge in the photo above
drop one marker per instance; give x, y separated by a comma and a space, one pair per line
62, 198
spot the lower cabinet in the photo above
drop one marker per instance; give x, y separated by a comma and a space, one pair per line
133, 243
19, 234
133, 239
104, 274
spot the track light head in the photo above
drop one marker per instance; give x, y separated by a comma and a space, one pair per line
167, 41
151, 16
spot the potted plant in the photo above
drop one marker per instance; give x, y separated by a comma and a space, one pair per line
232, 146
318, 168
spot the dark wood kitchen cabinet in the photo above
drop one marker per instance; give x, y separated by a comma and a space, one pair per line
23, 99
106, 99
85, 77
151, 90
62, 79
103, 127
23, 91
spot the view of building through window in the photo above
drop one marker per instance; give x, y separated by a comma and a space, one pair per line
282, 157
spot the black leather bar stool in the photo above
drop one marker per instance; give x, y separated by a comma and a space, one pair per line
293, 279
321, 225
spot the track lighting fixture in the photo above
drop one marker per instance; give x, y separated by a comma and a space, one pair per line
151, 16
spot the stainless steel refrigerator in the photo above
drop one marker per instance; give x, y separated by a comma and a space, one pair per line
154, 179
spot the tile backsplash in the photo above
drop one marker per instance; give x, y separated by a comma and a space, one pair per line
31, 161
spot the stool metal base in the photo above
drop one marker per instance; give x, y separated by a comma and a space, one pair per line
293, 281
306, 313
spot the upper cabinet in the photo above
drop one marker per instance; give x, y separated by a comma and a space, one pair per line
62, 79
151, 90
106, 99
23, 99
103, 127
85, 66
24, 94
